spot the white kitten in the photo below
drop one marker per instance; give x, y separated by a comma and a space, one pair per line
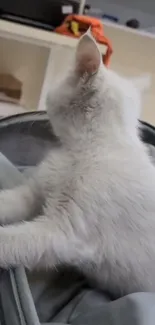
91, 203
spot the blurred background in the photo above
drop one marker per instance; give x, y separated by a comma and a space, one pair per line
33, 54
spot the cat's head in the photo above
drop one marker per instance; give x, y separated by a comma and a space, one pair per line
91, 100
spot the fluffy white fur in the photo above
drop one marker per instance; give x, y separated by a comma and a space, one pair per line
91, 203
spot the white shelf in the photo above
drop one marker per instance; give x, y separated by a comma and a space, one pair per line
38, 57
36, 36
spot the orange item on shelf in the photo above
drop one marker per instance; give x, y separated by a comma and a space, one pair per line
77, 25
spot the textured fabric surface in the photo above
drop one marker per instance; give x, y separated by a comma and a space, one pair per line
61, 296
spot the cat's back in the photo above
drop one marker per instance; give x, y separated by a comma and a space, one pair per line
123, 177
97, 177
116, 192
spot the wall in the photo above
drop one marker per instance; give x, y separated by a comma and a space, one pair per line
146, 6
131, 58
143, 10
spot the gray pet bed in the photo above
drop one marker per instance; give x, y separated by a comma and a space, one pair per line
62, 296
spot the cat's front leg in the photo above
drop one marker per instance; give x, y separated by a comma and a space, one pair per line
41, 243
19, 203
24, 243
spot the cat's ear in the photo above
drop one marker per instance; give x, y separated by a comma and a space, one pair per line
142, 83
88, 57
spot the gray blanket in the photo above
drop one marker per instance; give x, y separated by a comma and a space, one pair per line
63, 296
